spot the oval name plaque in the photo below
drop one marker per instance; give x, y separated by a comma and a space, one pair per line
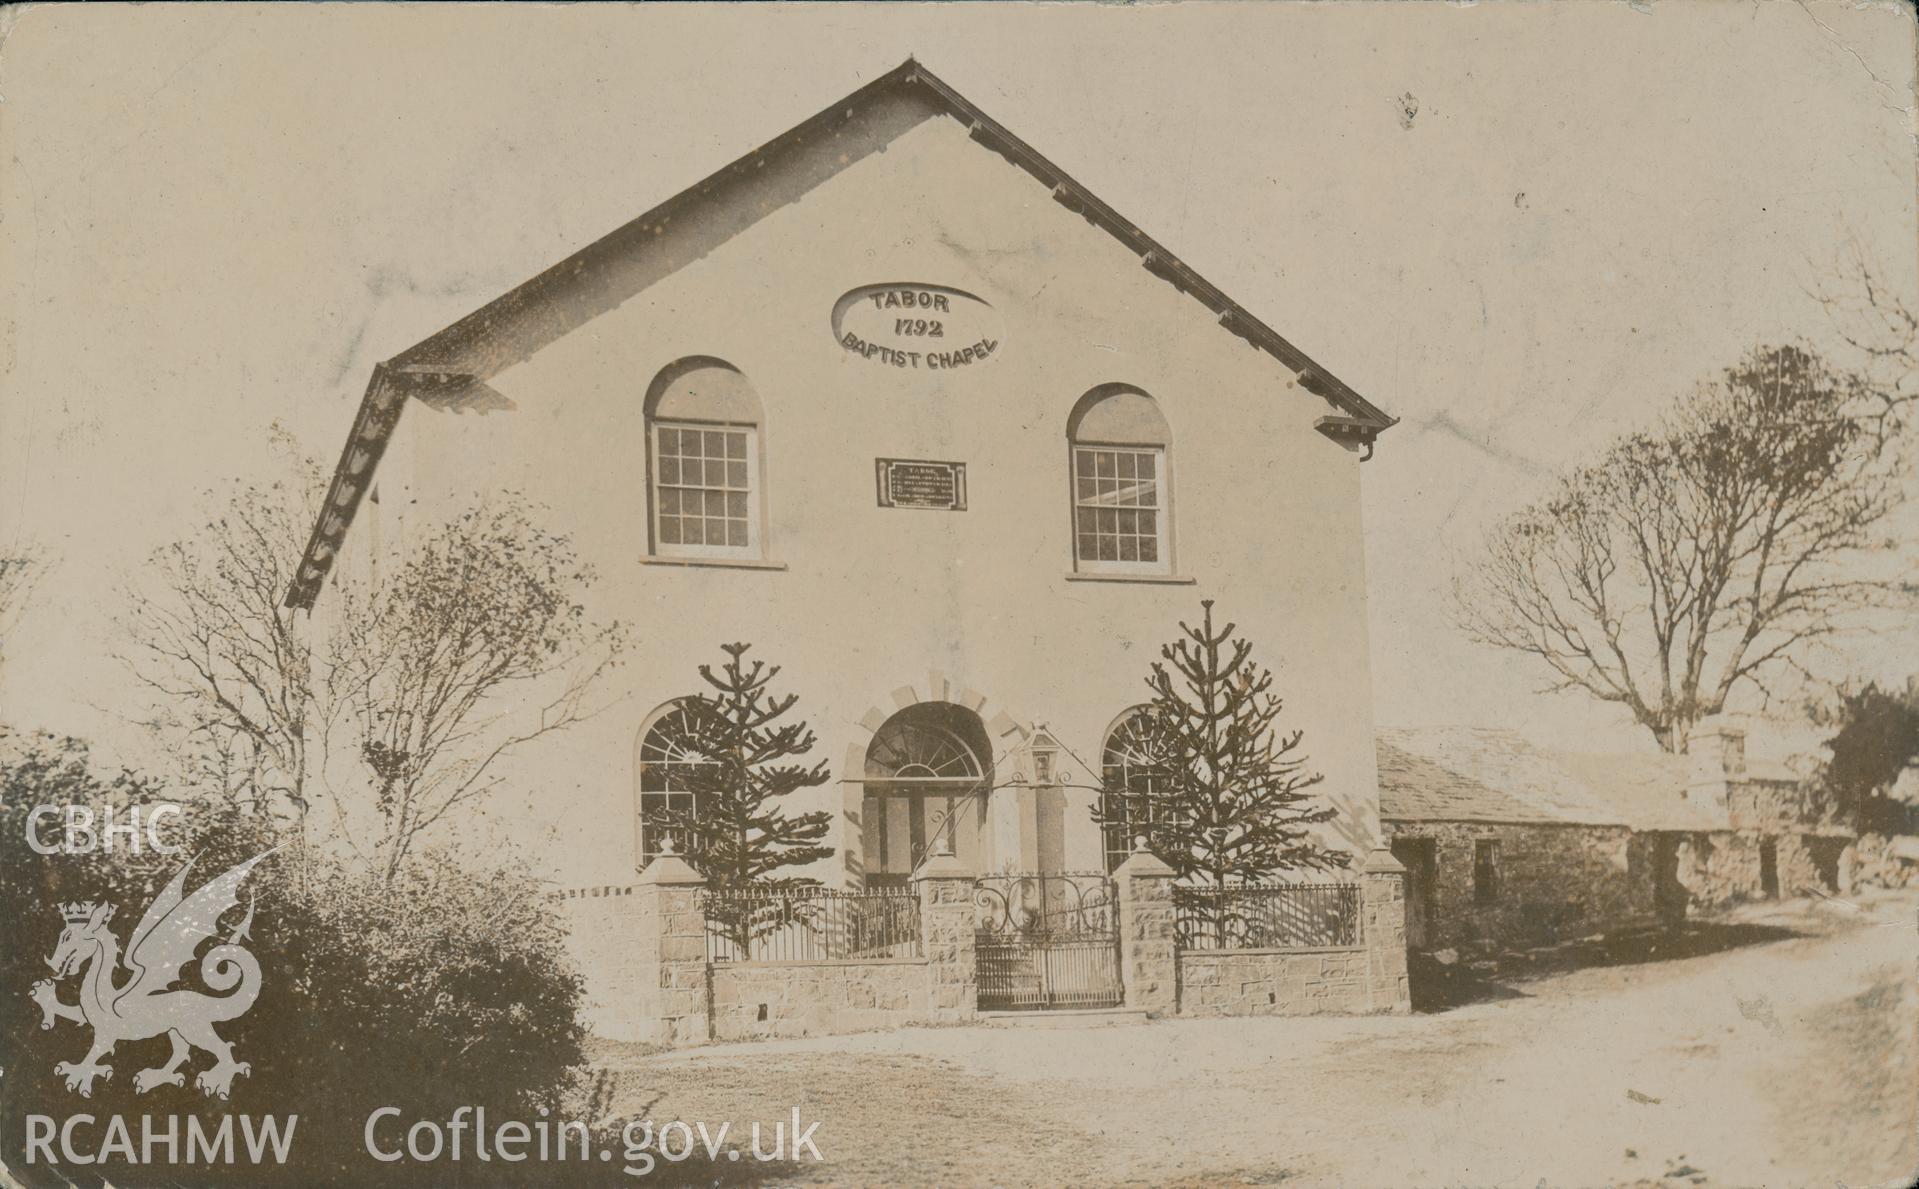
909, 325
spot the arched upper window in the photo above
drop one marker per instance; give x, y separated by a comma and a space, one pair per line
703, 436
1134, 774
1121, 496
667, 757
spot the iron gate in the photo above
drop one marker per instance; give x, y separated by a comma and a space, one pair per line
1047, 941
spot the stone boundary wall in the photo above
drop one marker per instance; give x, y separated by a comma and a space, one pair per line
642, 952
758, 1000
1345, 980
1277, 983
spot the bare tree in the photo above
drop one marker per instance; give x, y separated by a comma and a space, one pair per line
1882, 329
1710, 555
475, 646
21, 567
416, 685
231, 668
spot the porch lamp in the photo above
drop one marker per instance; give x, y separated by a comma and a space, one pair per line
1045, 759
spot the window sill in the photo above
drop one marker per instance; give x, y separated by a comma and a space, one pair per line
715, 563
1149, 579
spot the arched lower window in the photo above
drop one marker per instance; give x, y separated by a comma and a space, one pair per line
1121, 496
1134, 774
703, 437
667, 759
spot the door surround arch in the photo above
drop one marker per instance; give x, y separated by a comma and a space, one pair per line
1004, 735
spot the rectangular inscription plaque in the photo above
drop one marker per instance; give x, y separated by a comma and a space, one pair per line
918, 483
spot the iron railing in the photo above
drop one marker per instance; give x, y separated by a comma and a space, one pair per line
1055, 905
1266, 917
811, 925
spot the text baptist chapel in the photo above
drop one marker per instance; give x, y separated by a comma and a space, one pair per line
924, 314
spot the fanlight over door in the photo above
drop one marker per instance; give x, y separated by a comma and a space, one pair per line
926, 778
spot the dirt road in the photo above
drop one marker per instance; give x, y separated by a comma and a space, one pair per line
1786, 1063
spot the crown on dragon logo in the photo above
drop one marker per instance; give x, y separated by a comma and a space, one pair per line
149, 1003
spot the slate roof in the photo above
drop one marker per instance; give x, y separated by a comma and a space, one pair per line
1486, 774
1481, 774
451, 367
1648, 790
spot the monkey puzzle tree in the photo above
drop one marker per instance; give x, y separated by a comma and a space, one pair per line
1713, 554
738, 832
1228, 803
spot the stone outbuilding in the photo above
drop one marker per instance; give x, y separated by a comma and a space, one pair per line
1737, 829
1504, 841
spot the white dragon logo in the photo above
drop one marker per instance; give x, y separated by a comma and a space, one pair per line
148, 1003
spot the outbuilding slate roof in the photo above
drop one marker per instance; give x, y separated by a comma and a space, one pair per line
1648, 790
1480, 774
1486, 774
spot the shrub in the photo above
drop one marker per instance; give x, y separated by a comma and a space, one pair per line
442, 988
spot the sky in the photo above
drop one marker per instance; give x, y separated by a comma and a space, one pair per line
1522, 228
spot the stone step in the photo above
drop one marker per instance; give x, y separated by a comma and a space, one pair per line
1068, 1017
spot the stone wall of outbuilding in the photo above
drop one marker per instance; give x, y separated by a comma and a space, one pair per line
1565, 881
1554, 882
1724, 867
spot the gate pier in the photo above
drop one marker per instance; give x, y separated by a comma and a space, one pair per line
946, 926
1149, 956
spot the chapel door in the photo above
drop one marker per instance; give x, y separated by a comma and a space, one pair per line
901, 825
926, 781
